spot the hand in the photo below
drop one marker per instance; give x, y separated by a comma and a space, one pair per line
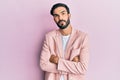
54, 59
76, 59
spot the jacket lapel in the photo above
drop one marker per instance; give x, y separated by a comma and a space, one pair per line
58, 39
69, 44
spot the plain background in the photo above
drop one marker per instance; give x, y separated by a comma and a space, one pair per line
23, 24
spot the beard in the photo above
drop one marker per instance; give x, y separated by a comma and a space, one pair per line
61, 24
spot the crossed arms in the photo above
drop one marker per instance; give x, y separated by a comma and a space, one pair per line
54, 64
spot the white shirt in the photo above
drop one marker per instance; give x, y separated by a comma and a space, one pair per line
64, 43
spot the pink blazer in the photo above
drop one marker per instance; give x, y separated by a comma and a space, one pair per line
77, 46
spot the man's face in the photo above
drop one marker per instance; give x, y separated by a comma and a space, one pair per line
61, 17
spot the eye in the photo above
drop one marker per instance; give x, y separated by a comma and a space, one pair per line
55, 15
63, 13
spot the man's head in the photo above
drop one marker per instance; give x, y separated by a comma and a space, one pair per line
61, 15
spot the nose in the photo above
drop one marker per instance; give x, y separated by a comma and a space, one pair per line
60, 17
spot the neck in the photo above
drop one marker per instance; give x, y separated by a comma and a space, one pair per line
66, 31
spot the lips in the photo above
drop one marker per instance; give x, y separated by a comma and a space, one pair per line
61, 22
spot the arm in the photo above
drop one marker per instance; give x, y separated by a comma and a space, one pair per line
76, 67
45, 64
54, 59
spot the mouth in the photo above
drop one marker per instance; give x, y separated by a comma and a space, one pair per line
61, 23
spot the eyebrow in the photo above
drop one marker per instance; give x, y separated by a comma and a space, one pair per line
60, 12
63, 11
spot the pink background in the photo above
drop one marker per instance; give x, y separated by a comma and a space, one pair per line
23, 24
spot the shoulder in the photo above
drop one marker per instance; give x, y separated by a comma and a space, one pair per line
51, 33
80, 33
82, 36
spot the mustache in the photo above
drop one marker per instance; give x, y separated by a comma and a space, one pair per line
61, 21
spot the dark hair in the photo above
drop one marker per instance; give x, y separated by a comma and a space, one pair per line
59, 5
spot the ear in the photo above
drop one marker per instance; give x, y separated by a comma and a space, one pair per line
69, 15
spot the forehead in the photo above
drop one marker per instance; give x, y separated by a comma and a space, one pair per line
59, 10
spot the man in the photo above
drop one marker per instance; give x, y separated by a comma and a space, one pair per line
64, 55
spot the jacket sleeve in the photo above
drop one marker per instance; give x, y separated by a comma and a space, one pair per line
45, 64
76, 67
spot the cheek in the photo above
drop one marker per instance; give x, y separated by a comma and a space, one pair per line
66, 18
56, 20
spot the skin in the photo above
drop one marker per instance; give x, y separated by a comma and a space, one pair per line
60, 13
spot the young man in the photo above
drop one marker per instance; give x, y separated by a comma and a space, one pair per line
64, 55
